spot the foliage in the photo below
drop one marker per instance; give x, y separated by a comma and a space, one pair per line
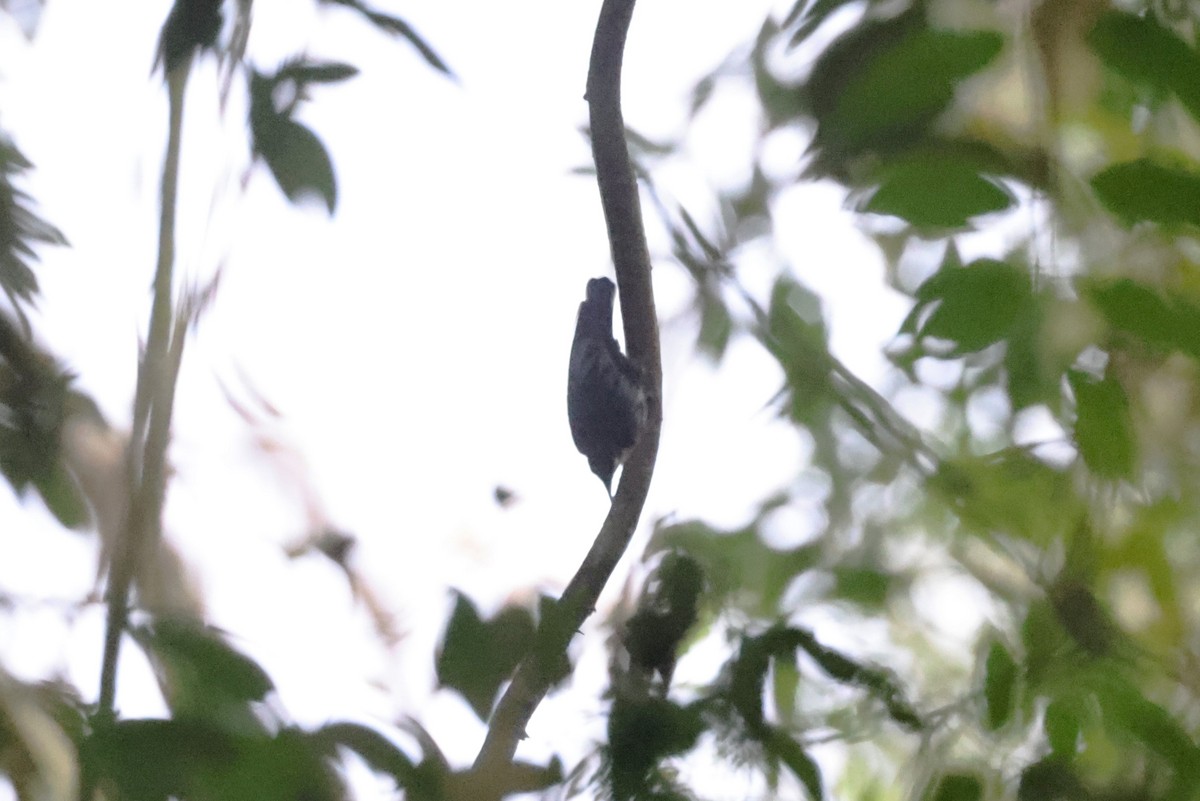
1077, 540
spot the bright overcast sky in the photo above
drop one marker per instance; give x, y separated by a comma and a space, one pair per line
416, 343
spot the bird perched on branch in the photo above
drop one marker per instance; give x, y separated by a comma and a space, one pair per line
606, 402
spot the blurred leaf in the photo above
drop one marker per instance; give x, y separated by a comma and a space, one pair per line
747, 674
786, 681
935, 189
1103, 425
33, 397
20, 228
999, 686
667, 609
981, 490
202, 674
958, 787
643, 730
716, 326
1050, 779
293, 153
1159, 318
289, 766
784, 748
904, 86
971, 307
1147, 53
149, 760
1144, 191
1061, 725
738, 563
303, 70
298, 161
397, 27
62, 497
1082, 616
796, 336
190, 26
477, 656
1029, 380
866, 587
380, 753
1043, 641
877, 681
846, 61
1126, 709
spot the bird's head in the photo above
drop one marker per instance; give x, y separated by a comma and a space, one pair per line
601, 290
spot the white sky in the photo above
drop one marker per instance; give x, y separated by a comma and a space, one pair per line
416, 342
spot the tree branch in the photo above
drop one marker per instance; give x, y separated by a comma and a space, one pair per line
631, 258
153, 402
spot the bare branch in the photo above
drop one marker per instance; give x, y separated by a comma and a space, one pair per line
627, 239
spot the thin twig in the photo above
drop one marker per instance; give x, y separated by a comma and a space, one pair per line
151, 416
627, 239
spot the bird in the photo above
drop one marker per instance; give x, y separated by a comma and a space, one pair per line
606, 401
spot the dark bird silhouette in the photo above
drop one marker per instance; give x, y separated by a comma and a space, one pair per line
606, 402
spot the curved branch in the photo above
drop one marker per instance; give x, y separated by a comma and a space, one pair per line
631, 258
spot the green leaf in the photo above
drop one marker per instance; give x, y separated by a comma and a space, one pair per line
1103, 425
739, 563
958, 787
796, 335
1050, 779
154, 759
1160, 319
62, 497
202, 672
1146, 191
293, 153
999, 686
20, 228
786, 683
1081, 614
980, 490
784, 748
907, 84
642, 730
716, 326
1149, 54
304, 71
1126, 709
780, 641
1029, 380
477, 656
397, 27
935, 190
380, 753
1042, 640
1061, 725
298, 160
866, 587
971, 307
